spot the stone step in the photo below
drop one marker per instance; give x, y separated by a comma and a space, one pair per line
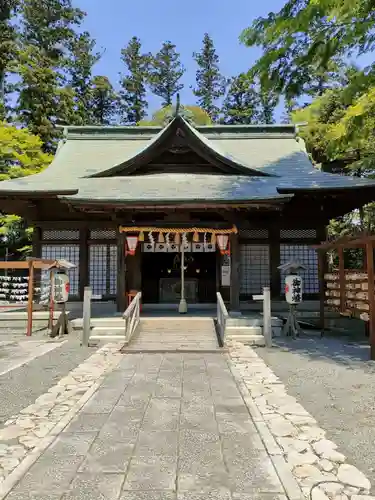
243, 330
252, 321
257, 340
112, 321
108, 330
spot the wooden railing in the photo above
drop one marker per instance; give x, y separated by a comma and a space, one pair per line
132, 317
222, 316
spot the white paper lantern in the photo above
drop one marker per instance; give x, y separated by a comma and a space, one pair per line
293, 289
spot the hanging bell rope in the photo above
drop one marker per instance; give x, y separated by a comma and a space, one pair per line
160, 238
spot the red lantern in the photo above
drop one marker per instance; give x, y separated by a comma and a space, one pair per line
132, 242
222, 241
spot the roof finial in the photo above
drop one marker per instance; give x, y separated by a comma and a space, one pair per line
177, 110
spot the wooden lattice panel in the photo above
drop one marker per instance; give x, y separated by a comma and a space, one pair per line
297, 234
103, 234
60, 234
254, 234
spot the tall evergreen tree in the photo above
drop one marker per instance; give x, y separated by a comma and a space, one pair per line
241, 102
210, 84
8, 39
47, 36
166, 72
49, 25
103, 101
133, 103
268, 102
83, 58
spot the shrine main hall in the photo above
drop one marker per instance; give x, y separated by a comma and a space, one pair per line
119, 202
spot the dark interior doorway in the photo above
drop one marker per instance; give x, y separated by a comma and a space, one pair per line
161, 277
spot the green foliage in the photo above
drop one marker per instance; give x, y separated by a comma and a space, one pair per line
210, 84
47, 37
42, 101
133, 103
21, 154
49, 25
241, 102
103, 101
196, 114
166, 72
304, 45
80, 66
8, 47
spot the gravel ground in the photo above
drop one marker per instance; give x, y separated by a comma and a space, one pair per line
22, 386
335, 382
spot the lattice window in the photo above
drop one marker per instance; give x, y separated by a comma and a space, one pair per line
103, 234
98, 269
57, 234
69, 253
254, 234
297, 234
306, 256
112, 269
103, 269
254, 268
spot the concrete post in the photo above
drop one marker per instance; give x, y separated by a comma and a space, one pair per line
86, 327
267, 318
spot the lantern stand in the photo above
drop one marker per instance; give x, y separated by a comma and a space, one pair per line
292, 327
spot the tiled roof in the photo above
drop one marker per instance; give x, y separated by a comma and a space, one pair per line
267, 161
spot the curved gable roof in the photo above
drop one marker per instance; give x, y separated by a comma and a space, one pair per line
197, 141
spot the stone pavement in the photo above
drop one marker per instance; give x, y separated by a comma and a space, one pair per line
159, 427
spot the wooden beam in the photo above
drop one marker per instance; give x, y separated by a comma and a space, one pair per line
30, 299
371, 291
83, 260
341, 278
121, 270
274, 256
234, 273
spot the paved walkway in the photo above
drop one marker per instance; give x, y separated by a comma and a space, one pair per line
160, 427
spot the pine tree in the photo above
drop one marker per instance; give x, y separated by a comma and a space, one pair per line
83, 58
241, 102
47, 36
210, 84
8, 48
166, 72
103, 101
132, 96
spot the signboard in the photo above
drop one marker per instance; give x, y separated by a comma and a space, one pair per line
225, 271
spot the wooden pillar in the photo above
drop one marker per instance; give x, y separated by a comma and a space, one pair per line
371, 291
83, 260
274, 245
121, 270
37, 242
235, 273
322, 260
340, 251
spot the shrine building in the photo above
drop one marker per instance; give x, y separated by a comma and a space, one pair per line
254, 186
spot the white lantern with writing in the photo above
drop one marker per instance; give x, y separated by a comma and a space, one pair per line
293, 289
61, 287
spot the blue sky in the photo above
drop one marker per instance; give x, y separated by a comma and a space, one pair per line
113, 22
